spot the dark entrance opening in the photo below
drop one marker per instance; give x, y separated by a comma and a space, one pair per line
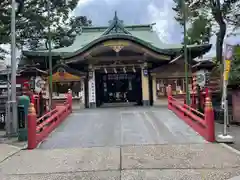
118, 87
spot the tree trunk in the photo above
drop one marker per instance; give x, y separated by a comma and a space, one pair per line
218, 16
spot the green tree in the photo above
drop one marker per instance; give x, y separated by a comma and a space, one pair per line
233, 18
32, 22
219, 14
200, 30
64, 35
234, 76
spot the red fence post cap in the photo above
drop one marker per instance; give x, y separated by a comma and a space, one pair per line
31, 109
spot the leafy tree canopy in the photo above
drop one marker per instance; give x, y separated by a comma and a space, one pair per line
200, 29
32, 23
234, 76
208, 13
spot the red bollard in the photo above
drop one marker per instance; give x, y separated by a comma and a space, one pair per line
69, 101
169, 95
32, 125
209, 119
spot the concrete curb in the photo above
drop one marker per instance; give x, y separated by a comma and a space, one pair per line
230, 148
235, 178
234, 151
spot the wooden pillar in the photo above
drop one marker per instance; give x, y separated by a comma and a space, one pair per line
154, 88
145, 87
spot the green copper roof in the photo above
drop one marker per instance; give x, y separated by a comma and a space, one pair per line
88, 36
142, 34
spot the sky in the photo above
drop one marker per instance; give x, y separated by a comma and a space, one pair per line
139, 12
134, 12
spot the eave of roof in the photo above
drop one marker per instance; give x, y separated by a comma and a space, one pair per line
197, 49
68, 69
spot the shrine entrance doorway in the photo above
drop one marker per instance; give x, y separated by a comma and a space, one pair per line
118, 87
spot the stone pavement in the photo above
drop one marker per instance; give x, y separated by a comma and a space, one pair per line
123, 144
7, 151
121, 126
234, 130
9, 146
148, 162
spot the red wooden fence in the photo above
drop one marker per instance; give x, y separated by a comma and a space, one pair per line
201, 123
39, 129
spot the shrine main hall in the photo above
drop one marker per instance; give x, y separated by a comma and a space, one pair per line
115, 64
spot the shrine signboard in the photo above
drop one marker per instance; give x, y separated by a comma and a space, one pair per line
92, 88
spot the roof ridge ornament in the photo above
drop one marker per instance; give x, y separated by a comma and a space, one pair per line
115, 16
116, 25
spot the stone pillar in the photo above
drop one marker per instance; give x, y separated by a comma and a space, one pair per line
145, 86
91, 88
154, 88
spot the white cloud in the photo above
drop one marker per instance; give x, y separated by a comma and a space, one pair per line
134, 12
138, 12
80, 2
166, 25
161, 22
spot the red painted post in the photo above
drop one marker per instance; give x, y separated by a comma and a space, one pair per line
69, 100
209, 119
169, 95
32, 125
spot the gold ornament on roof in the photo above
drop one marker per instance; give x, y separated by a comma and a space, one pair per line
117, 48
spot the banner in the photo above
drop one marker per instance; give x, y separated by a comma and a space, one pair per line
227, 61
227, 67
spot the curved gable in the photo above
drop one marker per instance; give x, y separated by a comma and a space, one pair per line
146, 46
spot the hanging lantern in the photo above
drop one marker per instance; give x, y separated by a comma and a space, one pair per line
145, 72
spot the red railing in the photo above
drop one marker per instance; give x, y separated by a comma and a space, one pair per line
39, 129
201, 123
